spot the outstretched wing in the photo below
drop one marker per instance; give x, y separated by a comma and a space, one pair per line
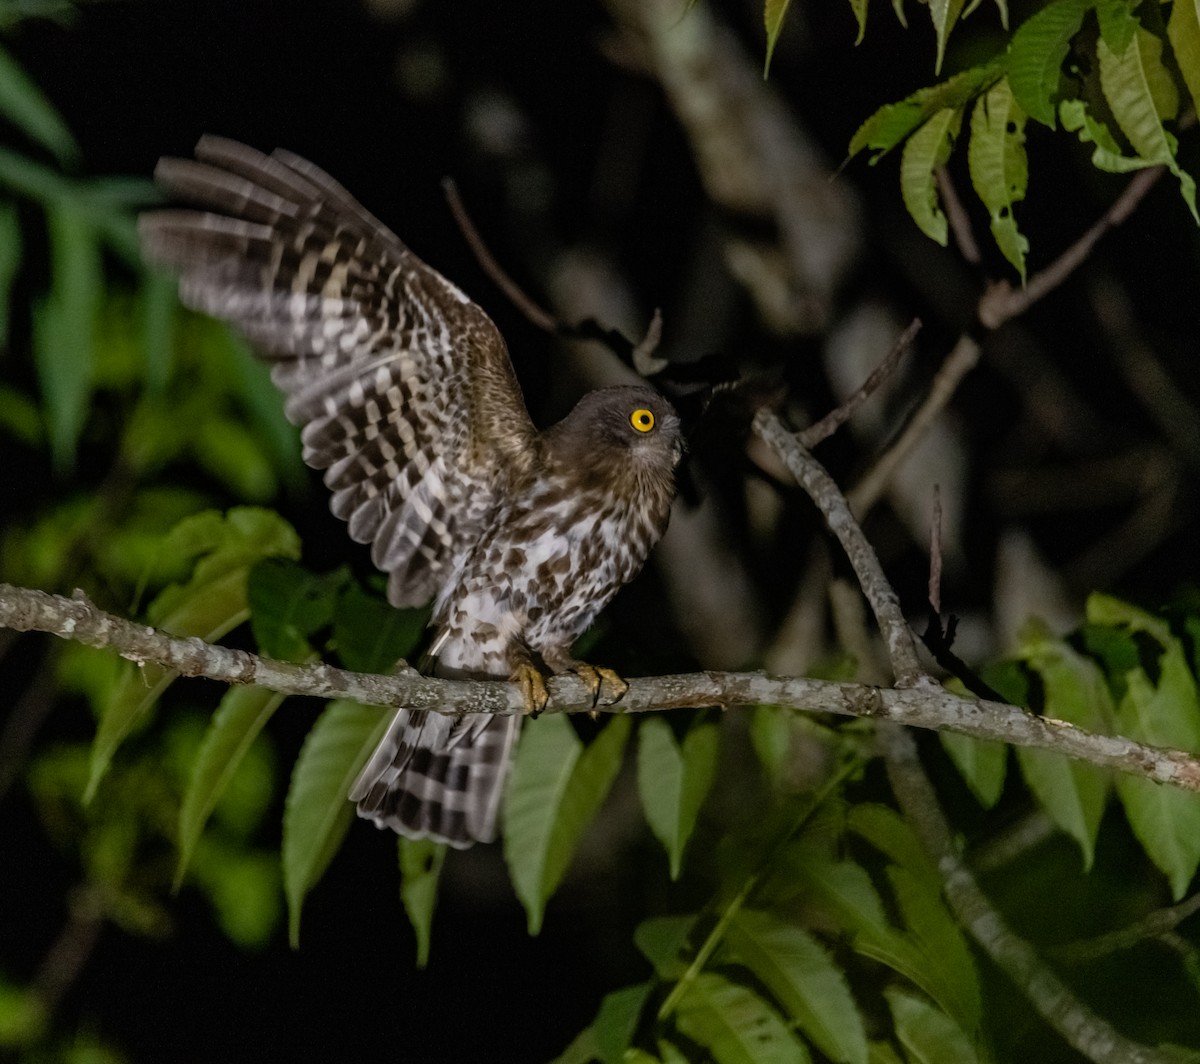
403, 386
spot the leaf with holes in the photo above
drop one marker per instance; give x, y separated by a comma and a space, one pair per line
999, 168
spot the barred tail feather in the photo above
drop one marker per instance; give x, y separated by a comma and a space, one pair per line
438, 778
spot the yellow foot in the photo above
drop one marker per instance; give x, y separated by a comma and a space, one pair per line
533, 688
605, 686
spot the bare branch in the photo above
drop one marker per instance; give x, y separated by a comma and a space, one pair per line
1082, 1028
534, 313
956, 214
925, 707
834, 420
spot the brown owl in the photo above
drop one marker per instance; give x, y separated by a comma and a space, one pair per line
409, 404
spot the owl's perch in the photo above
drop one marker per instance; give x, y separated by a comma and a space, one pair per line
928, 707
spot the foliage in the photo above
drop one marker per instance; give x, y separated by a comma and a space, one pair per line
1113, 72
806, 924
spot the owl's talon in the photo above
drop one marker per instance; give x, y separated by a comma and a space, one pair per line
533, 689
604, 685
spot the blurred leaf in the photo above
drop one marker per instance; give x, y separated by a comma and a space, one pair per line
891, 834
244, 890
20, 416
317, 813
999, 168
557, 787
804, 979
1141, 93
674, 781
883, 1053
63, 330
982, 764
948, 970
232, 454
372, 635
1183, 31
22, 1016
22, 104
1073, 793
582, 1050
616, 1021
10, 262
928, 1035
208, 604
945, 14
242, 714
158, 304
893, 122
1036, 54
662, 941
926, 150
420, 868
288, 604
774, 12
735, 1025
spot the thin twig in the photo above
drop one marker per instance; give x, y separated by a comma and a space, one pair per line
1152, 925
935, 553
998, 304
834, 420
926, 706
956, 214
534, 313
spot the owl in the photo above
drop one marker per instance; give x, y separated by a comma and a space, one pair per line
408, 404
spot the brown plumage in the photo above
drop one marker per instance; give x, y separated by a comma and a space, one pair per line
409, 404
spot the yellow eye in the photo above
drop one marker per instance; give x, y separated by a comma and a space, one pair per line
642, 420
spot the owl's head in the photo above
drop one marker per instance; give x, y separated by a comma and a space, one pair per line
630, 421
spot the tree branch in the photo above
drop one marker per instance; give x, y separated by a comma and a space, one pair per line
927, 706
1082, 1028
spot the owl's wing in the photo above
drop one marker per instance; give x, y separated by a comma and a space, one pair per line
403, 386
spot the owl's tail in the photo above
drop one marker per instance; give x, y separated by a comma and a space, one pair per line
437, 777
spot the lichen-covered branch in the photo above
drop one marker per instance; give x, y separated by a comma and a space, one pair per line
927, 706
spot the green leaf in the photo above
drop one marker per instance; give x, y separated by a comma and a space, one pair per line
556, 789
893, 122
926, 150
1036, 55
859, 7
317, 813
288, 604
982, 764
674, 782
64, 330
616, 1022
1166, 820
947, 972
420, 868
1117, 22
158, 305
662, 941
773, 15
944, 13
582, 1050
233, 455
999, 169
928, 1035
735, 1025
244, 891
24, 105
239, 719
10, 262
1074, 794
892, 836
1107, 156
208, 603
1141, 93
805, 981
371, 634
1183, 31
